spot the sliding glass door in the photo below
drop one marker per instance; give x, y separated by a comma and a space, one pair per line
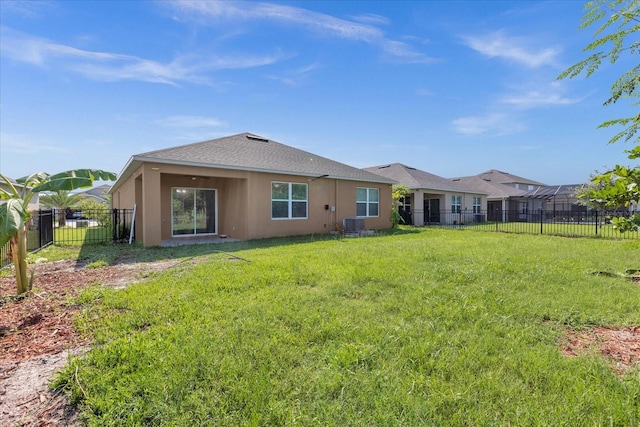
193, 211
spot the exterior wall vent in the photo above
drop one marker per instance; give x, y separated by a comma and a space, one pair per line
257, 138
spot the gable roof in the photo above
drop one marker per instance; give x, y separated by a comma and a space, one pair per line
495, 190
98, 193
498, 184
499, 177
246, 151
419, 179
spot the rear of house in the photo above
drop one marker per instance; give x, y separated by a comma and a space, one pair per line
434, 199
246, 187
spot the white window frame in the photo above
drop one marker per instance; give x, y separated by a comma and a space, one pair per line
290, 201
368, 202
456, 203
477, 204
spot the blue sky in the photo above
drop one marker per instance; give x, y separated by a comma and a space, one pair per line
454, 88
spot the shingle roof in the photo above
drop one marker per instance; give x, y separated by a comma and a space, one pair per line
246, 151
495, 190
500, 177
419, 179
497, 183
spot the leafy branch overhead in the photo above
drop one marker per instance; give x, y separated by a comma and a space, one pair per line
619, 26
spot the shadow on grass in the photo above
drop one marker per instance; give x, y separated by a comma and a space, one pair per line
120, 253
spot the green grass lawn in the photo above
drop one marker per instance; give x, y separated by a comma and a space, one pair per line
72, 236
422, 327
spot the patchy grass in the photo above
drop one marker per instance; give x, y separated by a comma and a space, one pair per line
424, 327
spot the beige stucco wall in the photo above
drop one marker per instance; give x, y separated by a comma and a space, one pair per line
466, 199
243, 202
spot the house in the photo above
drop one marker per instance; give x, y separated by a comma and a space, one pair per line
504, 202
34, 204
434, 199
245, 186
98, 193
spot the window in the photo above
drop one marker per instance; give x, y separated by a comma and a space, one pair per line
477, 205
456, 204
193, 211
405, 204
367, 201
288, 200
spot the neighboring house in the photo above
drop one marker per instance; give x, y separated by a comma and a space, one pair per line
435, 199
34, 205
504, 189
557, 201
246, 187
100, 193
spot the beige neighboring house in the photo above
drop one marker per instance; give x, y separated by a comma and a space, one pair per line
434, 199
245, 187
505, 201
99, 193
34, 204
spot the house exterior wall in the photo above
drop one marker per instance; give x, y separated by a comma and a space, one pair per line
243, 202
419, 197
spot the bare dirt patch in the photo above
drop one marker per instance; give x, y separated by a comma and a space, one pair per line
621, 345
37, 335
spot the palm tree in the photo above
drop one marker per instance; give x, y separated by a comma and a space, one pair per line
61, 200
15, 215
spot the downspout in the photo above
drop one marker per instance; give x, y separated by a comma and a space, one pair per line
335, 204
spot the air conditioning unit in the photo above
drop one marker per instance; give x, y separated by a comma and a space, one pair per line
353, 226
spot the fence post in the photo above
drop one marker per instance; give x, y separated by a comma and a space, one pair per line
541, 216
114, 222
597, 221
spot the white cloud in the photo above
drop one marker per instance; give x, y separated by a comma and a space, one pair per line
295, 77
371, 18
104, 66
363, 31
21, 144
496, 124
517, 49
539, 96
28, 9
190, 121
536, 99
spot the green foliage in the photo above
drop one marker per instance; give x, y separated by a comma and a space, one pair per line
97, 210
326, 332
398, 192
15, 216
60, 199
617, 33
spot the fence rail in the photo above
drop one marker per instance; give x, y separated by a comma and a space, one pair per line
560, 223
71, 228
92, 226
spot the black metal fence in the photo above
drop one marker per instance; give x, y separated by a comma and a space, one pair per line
590, 223
72, 227
92, 226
